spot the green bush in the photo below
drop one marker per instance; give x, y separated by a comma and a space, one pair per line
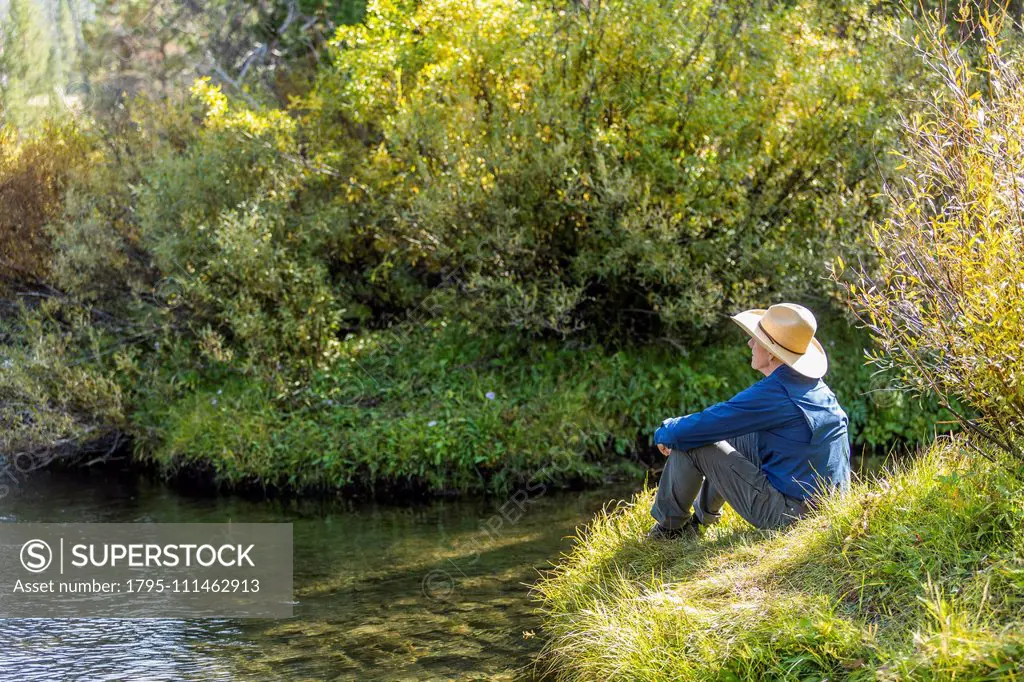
36, 169
219, 221
584, 168
511, 172
51, 402
60, 255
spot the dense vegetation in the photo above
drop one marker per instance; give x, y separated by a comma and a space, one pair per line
946, 300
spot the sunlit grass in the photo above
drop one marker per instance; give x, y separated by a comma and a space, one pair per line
917, 574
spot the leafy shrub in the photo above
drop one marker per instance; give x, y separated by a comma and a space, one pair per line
34, 173
216, 219
506, 165
51, 402
947, 302
585, 168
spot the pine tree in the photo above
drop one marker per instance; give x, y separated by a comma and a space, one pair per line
66, 60
27, 63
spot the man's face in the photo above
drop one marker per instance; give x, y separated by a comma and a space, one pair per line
760, 357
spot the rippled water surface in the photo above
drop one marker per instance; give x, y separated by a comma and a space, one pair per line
438, 591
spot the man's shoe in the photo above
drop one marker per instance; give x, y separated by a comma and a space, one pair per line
688, 529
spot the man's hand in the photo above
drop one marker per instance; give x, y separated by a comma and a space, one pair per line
664, 449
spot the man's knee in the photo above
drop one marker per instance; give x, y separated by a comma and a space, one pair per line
713, 451
683, 459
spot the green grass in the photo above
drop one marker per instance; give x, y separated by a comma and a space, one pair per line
443, 409
916, 575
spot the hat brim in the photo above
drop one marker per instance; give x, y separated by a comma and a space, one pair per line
812, 364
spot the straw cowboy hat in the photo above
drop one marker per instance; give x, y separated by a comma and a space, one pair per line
787, 331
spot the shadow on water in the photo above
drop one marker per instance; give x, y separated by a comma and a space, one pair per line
434, 591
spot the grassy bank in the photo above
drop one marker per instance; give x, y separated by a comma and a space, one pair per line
440, 409
916, 575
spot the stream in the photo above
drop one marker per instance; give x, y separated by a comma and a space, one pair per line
438, 590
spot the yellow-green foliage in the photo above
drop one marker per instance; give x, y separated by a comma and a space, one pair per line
914, 575
947, 302
34, 173
219, 221
59, 254
49, 399
632, 166
624, 164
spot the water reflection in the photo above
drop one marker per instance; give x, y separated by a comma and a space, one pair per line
433, 591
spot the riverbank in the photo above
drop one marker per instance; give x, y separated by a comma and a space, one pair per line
441, 410
916, 574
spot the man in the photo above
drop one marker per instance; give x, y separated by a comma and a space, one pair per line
769, 449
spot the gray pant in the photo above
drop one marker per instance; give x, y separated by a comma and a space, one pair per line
707, 477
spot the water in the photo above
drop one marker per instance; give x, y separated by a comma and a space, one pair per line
437, 591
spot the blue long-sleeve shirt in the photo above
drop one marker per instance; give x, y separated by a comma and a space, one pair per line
803, 439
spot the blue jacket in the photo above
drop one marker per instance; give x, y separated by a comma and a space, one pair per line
803, 439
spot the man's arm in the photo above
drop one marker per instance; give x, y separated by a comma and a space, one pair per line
756, 408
